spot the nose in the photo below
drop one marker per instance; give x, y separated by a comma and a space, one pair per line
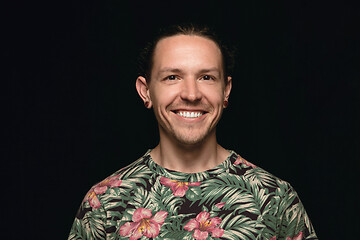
190, 90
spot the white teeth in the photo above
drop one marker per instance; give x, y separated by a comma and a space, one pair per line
190, 114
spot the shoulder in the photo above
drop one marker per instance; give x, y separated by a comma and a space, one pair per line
260, 178
279, 194
118, 184
111, 193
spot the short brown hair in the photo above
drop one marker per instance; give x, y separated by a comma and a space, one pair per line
145, 62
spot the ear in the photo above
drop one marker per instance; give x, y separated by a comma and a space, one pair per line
227, 90
143, 91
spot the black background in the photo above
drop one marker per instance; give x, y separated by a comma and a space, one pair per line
75, 116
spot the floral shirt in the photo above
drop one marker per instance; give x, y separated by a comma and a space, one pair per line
235, 200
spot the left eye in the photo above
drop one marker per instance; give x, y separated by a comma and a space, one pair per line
207, 77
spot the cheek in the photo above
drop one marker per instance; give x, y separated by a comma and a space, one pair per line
162, 97
214, 95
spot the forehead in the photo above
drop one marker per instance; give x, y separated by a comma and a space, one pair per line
186, 51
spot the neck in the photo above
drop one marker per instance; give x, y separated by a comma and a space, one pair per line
189, 158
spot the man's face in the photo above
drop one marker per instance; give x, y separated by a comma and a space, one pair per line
187, 88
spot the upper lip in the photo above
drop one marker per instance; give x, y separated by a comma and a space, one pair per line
189, 110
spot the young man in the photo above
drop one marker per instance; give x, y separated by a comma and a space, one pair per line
188, 186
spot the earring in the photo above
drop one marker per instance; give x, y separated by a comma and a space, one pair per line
146, 103
226, 103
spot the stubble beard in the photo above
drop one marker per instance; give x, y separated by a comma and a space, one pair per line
190, 136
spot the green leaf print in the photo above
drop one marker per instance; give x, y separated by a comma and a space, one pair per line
235, 200
259, 177
94, 226
141, 199
135, 176
239, 227
193, 193
215, 188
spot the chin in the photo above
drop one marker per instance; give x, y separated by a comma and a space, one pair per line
191, 139
189, 142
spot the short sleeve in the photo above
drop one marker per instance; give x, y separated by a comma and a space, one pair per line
89, 223
294, 221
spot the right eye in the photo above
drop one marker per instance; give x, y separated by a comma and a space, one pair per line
171, 77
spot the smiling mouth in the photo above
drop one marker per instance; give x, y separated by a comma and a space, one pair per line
190, 114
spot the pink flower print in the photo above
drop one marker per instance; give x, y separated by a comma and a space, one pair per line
203, 225
93, 200
101, 188
179, 188
297, 237
220, 205
273, 238
241, 160
143, 224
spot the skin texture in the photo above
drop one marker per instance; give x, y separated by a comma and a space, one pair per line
187, 76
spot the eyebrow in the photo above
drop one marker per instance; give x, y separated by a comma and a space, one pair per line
177, 70
214, 69
167, 69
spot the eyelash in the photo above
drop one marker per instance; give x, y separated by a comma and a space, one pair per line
168, 77
210, 77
